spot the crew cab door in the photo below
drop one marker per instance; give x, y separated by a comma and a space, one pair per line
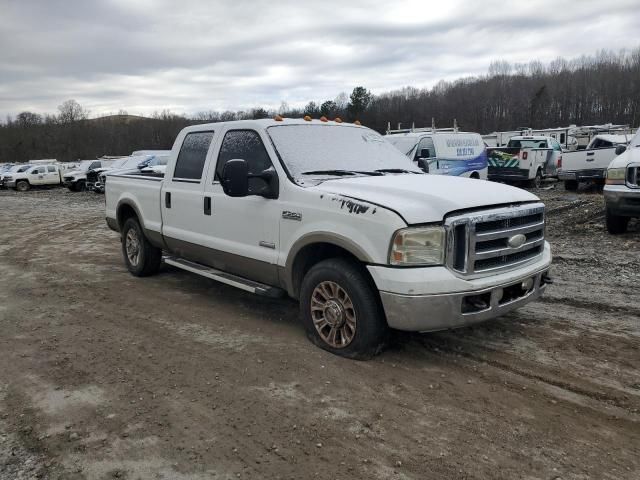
53, 175
243, 231
181, 199
37, 176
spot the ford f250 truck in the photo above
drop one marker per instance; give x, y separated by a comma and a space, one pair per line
334, 216
622, 187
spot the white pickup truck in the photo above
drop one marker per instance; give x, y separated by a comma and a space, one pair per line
590, 164
622, 188
336, 217
76, 180
34, 176
526, 158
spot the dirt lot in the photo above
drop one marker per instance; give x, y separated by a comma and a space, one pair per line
104, 375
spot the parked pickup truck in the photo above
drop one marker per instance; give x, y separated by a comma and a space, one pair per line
622, 188
76, 180
590, 164
34, 176
526, 159
334, 216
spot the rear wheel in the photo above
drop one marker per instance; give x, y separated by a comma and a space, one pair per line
536, 182
22, 186
341, 311
616, 224
142, 258
571, 185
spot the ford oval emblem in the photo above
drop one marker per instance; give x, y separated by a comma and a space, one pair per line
516, 241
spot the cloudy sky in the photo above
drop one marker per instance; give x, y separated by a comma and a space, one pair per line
190, 56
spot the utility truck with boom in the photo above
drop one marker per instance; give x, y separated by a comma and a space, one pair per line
334, 216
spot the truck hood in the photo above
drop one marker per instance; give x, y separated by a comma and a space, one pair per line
425, 198
74, 173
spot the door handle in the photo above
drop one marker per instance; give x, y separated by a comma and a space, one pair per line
590, 154
167, 199
207, 205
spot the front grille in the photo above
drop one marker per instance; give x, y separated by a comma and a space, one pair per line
633, 176
492, 241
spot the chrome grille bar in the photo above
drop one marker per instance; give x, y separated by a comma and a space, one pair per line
495, 240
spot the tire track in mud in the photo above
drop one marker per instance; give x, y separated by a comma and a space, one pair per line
525, 369
591, 306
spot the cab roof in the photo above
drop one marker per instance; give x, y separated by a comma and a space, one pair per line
264, 123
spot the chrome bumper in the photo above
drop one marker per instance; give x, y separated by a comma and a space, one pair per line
428, 313
622, 201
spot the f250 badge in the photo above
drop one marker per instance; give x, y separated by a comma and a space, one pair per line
292, 216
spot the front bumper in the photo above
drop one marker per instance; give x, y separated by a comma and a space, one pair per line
10, 184
622, 200
428, 313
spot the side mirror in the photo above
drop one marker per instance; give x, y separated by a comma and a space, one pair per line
425, 153
423, 165
235, 178
620, 149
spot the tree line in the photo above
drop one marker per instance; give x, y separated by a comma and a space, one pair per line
601, 88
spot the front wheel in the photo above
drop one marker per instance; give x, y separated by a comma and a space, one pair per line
616, 224
341, 311
22, 186
142, 258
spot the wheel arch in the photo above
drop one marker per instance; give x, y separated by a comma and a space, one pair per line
314, 248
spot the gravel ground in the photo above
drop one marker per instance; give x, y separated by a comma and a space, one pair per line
176, 377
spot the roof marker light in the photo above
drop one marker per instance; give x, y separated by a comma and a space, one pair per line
323, 119
338, 120
278, 118
357, 122
307, 118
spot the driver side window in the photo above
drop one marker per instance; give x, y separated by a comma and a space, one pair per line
426, 143
246, 145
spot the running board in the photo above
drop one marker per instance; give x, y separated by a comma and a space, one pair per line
224, 277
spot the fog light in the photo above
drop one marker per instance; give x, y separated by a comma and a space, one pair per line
527, 284
499, 293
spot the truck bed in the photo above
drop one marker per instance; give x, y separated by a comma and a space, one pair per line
586, 164
144, 189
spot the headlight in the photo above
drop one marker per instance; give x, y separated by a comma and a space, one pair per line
418, 246
616, 176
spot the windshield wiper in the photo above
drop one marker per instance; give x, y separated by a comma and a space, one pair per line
395, 170
340, 173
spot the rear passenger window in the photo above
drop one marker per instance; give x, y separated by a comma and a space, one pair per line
245, 145
51, 169
192, 156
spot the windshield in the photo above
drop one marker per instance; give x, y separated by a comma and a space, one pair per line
306, 148
85, 164
20, 168
404, 144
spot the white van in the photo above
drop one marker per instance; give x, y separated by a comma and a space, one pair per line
461, 154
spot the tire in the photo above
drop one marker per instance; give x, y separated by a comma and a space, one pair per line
81, 186
535, 182
347, 296
475, 176
616, 224
571, 185
141, 258
22, 186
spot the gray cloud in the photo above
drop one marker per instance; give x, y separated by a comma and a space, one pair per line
194, 55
